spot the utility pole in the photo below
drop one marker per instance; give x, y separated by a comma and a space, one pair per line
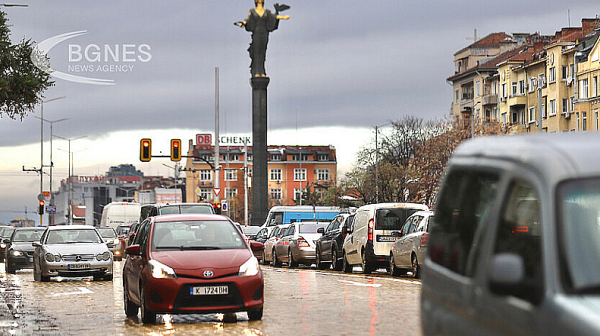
217, 154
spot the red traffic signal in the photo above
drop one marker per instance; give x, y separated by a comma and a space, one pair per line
175, 149
145, 150
217, 207
41, 207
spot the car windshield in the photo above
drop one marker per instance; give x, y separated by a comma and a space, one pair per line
7, 232
311, 227
107, 233
185, 209
392, 218
73, 236
579, 204
196, 235
27, 235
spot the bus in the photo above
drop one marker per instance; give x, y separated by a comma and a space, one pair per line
290, 214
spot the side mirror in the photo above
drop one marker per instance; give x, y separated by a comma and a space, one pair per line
133, 250
321, 230
36, 244
507, 274
256, 246
6, 240
110, 245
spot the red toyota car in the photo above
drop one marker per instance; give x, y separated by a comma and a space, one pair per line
191, 264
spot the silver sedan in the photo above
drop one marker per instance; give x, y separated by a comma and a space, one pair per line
72, 251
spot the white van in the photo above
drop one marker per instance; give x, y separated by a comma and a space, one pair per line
371, 235
120, 213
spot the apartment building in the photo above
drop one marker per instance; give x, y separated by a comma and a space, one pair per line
534, 67
290, 169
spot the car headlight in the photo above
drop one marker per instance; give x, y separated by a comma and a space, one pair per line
116, 241
161, 271
52, 257
16, 253
249, 268
103, 256
2, 245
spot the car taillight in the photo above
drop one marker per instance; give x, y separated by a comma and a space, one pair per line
424, 239
370, 232
302, 242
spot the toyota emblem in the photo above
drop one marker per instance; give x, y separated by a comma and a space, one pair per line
208, 274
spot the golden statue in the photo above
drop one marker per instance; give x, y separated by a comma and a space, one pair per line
260, 22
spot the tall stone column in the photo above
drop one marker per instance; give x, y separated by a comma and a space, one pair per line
260, 201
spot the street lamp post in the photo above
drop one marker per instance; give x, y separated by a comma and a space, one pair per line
69, 176
42, 147
377, 161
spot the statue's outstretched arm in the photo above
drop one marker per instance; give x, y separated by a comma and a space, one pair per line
283, 17
243, 23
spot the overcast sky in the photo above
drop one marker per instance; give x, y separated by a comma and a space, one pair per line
337, 68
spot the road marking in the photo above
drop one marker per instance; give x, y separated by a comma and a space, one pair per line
359, 283
82, 290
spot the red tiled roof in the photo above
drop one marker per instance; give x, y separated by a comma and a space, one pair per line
492, 40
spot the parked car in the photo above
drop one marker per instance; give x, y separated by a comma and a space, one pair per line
110, 236
372, 234
409, 250
297, 244
329, 245
72, 251
191, 264
513, 247
19, 251
269, 249
250, 231
5, 232
150, 210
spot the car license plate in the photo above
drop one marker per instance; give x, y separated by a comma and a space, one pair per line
209, 290
78, 266
386, 239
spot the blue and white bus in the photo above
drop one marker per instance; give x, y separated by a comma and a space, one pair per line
301, 213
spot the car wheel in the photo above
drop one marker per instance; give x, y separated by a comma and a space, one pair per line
36, 273
9, 268
264, 258
291, 262
229, 318
335, 260
131, 309
255, 314
347, 268
416, 270
318, 261
108, 277
147, 315
367, 268
394, 271
276, 261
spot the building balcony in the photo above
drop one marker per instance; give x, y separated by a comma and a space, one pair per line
206, 184
490, 99
517, 100
516, 129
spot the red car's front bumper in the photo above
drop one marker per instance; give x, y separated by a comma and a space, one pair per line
174, 295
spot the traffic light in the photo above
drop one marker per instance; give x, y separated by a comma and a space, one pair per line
145, 150
217, 207
175, 149
41, 208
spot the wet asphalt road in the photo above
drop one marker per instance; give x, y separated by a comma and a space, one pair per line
300, 301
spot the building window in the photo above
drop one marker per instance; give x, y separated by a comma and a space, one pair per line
572, 104
205, 194
234, 157
532, 84
323, 157
552, 106
323, 174
514, 88
532, 114
596, 114
583, 85
230, 174
299, 157
477, 83
595, 87
275, 175
552, 75
230, 192
584, 121
275, 157
522, 87
275, 194
565, 72
300, 174
298, 193
206, 175
565, 105
503, 90
544, 111
577, 121
206, 157
456, 96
